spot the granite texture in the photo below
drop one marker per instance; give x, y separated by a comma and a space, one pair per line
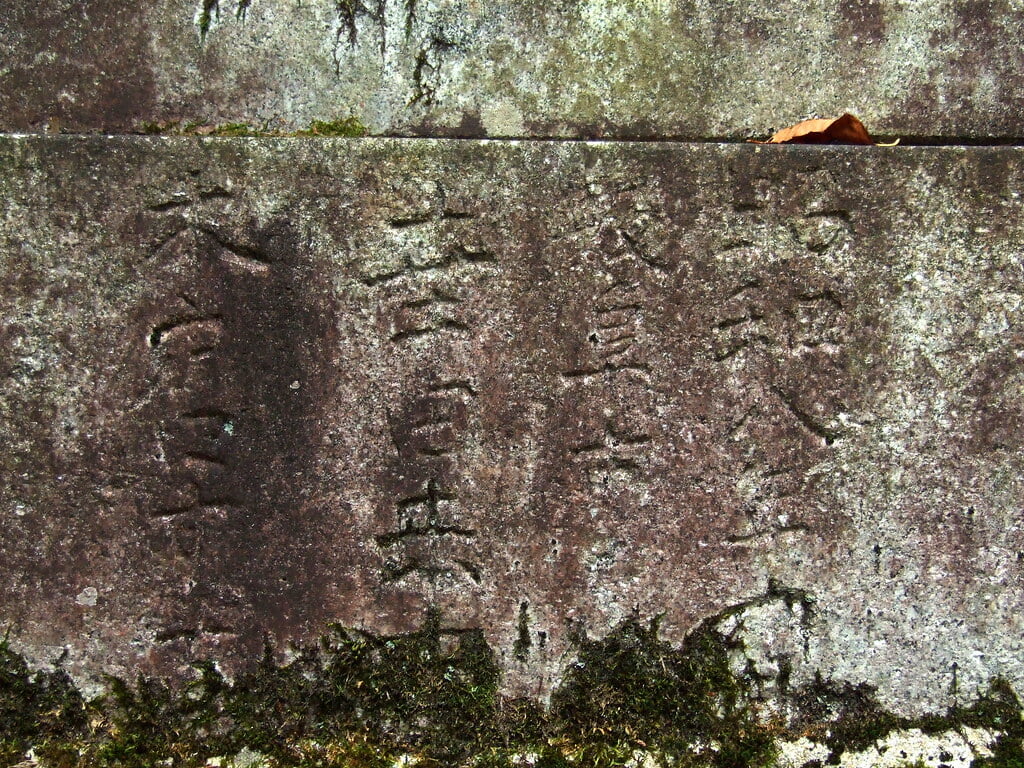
253, 387
576, 68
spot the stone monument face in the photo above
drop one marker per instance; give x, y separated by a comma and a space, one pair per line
536, 390
442, 382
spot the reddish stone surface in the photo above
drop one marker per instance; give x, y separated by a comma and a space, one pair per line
255, 387
75, 66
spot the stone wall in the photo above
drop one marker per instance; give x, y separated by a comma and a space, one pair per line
370, 451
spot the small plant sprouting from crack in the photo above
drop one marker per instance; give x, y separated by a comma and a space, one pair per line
209, 12
349, 12
428, 61
410, 17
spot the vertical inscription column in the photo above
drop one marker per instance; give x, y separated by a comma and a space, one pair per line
613, 373
612, 488
429, 262
230, 337
196, 487
778, 338
191, 339
612, 454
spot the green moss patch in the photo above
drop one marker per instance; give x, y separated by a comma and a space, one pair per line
349, 126
345, 127
998, 709
632, 689
848, 718
357, 700
36, 708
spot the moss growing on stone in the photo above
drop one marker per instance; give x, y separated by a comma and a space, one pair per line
358, 700
36, 708
234, 129
844, 717
1001, 710
348, 126
635, 690
848, 718
198, 128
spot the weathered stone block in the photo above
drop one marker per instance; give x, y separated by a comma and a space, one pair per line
684, 69
255, 387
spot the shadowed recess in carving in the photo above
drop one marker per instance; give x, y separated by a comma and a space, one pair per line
191, 633
456, 256
426, 330
425, 314
210, 328
615, 449
430, 535
582, 373
811, 423
421, 515
465, 386
431, 424
731, 322
237, 254
437, 241
397, 570
748, 341
639, 251
762, 535
224, 418
402, 222
613, 338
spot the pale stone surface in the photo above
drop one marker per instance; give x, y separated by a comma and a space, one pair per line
684, 69
796, 754
953, 749
252, 387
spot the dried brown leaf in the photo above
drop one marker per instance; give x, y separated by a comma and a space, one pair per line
846, 129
